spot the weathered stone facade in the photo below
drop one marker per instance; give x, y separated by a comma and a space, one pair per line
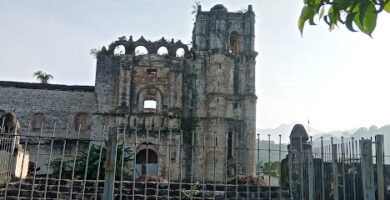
58, 104
204, 98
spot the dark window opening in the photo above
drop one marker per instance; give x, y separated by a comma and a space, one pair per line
234, 42
230, 145
152, 73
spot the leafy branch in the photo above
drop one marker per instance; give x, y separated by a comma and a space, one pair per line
95, 51
361, 13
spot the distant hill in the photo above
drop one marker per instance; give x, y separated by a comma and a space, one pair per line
357, 134
285, 130
262, 151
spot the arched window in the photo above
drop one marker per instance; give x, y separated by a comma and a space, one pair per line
180, 52
234, 45
36, 121
81, 121
162, 51
119, 50
140, 50
150, 100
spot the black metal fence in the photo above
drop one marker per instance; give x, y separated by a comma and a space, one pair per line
338, 168
125, 163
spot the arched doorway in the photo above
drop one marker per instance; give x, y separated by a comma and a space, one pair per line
146, 162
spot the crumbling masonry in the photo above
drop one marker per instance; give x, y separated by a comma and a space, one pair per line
199, 96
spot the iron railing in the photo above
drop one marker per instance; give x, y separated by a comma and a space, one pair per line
130, 163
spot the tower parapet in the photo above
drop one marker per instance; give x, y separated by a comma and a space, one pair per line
226, 31
151, 47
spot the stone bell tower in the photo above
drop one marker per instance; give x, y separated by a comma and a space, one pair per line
224, 67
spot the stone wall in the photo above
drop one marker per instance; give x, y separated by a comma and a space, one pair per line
141, 190
57, 103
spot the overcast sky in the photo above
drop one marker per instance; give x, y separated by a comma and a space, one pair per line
338, 79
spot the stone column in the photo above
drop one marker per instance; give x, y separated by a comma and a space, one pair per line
299, 150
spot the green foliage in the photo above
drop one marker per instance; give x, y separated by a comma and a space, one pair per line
243, 10
123, 38
93, 163
362, 13
95, 51
42, 76
284, 174
189, 123
269, 168
195, 7
191, 193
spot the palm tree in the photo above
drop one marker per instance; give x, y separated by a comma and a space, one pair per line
43, 77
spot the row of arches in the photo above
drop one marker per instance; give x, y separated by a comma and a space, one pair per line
141, 50
162, 47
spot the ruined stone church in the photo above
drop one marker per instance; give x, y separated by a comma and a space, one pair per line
188, 112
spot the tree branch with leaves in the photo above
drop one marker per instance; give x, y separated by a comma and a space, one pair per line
362, 14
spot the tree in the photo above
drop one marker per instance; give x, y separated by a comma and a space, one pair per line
361, 13
269, 168
43, 77
95, 152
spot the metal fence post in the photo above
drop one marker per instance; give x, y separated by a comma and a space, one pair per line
367, 170
335, 172
110, 164
310, 169
301, 165
322, 170
379, 166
